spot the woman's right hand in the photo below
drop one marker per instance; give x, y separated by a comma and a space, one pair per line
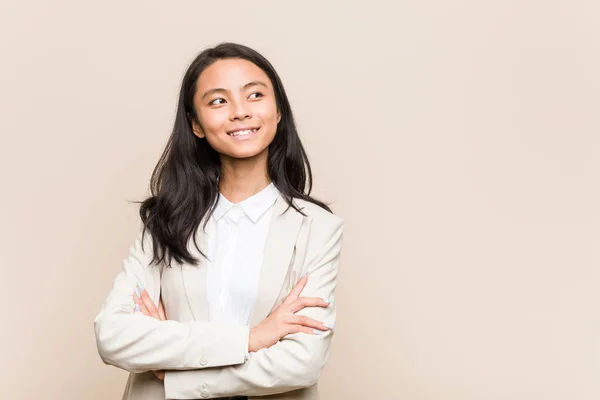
284, 321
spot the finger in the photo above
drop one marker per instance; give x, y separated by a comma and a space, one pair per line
142, 308
296, 290
137, 296
137, 304
160, 374
307, 322
303, 302
161, 311
136, 292
149, 304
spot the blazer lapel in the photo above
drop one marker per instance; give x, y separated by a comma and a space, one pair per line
194, 276
279, 248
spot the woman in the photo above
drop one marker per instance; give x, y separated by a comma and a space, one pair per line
227, 289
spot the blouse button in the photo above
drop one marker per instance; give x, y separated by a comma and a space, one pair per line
203, 361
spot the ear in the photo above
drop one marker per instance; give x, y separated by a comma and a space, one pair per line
278, 116
198, 131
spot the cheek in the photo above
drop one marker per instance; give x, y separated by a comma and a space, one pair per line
213, 121
267, 113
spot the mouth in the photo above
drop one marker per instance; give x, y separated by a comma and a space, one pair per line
245, 132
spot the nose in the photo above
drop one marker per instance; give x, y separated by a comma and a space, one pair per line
240, 111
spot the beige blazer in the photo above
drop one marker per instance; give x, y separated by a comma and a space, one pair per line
208, 360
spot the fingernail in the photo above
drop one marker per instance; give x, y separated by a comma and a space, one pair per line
326, 300
318, 332
137, 293
330, 326
137, 307
141, 285
303, 275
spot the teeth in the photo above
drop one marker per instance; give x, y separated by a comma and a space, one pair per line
243, 133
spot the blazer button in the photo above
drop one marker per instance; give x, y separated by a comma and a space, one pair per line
203, 361
205, 394
204, 387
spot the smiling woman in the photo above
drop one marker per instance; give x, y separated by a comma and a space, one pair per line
228, 289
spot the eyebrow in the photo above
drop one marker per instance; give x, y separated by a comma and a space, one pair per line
246, 86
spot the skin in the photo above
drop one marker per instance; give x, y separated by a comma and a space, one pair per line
235, 94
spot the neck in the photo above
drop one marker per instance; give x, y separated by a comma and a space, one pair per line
242, 178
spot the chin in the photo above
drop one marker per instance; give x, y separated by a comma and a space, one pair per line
244, 153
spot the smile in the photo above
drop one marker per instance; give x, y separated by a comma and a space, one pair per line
243, 132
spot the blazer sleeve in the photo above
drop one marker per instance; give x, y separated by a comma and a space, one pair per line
294, 362
138, 343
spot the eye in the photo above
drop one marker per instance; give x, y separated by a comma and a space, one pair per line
256, 95
217, 102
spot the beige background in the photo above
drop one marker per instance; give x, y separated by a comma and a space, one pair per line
459, 140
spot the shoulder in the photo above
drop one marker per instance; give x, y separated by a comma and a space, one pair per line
324, 232
318, 217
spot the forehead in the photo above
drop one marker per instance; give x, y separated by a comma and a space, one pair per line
230, 74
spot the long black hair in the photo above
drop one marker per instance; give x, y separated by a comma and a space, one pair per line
184, 184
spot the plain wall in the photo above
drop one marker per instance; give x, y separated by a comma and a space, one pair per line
459, 140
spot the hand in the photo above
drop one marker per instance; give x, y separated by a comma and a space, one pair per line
283, 320
145, 305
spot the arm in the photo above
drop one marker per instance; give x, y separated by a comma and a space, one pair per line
138, 343
293, 363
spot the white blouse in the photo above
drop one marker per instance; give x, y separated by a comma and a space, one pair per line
236, 241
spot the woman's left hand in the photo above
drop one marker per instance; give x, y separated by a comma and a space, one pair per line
145, 305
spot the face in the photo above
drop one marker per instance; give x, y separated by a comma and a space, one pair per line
236, 109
